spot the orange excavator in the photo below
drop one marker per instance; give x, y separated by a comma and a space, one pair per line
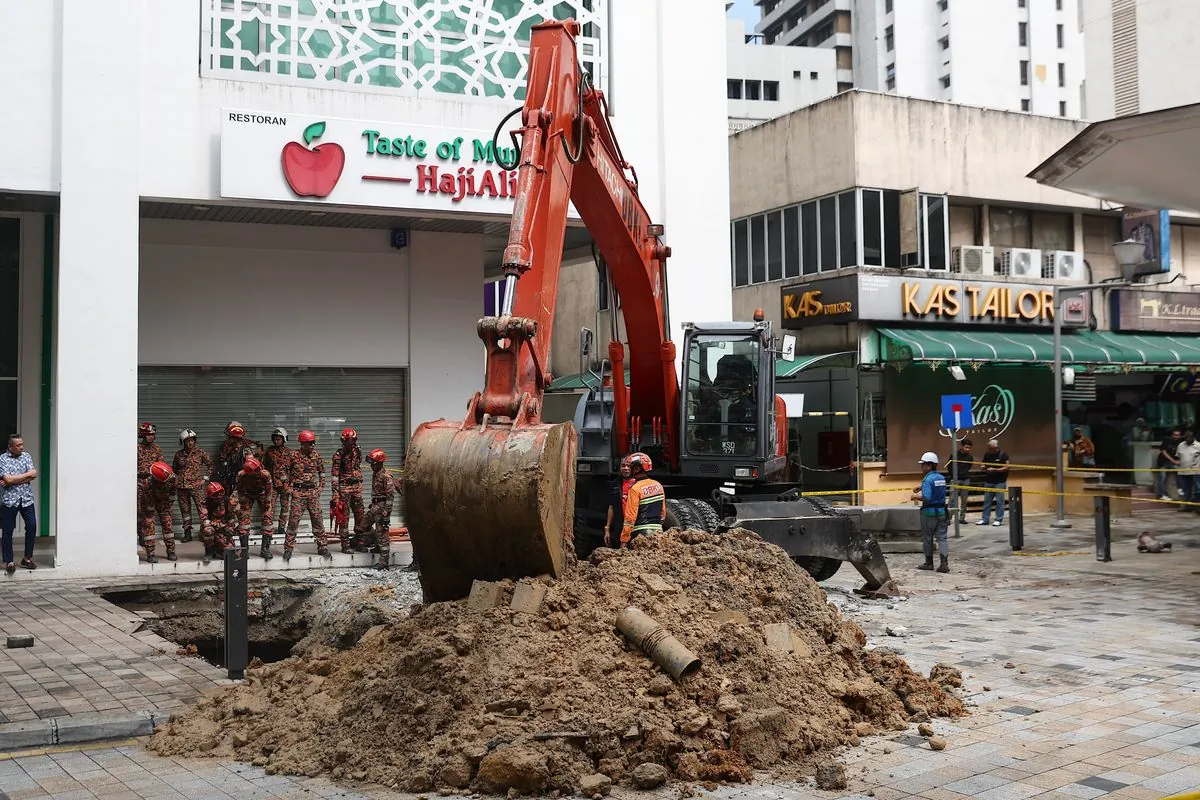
505, 493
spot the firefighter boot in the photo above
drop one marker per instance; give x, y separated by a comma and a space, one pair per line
187, 535
287, 554
264, 552
208, 554
323, 552
928, 563
245, 542
945, 565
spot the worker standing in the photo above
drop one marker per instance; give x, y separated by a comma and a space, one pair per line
616, 504
147, 453
934, 514
232, 455
220, 518
379, 515
645, 504
307, 473
154, 501
277, 459
346, 472
192, 467
254, 486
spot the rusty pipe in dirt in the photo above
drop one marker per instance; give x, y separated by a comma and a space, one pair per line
653, 640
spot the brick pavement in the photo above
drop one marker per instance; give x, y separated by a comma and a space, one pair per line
1102, 699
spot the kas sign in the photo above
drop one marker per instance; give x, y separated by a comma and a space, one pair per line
287, 157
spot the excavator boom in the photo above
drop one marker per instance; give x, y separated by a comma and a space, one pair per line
492, 496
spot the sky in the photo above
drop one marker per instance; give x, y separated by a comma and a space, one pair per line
746, 10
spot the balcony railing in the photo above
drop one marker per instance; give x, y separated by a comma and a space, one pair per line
476, 48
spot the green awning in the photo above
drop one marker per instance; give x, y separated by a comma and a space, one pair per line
790, 369
576, 381
1097, 348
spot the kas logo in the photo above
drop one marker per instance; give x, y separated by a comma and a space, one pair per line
312, 171
993, 409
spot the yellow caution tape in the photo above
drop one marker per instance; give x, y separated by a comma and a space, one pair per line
1188, 796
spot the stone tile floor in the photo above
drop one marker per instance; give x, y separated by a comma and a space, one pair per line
1102, 698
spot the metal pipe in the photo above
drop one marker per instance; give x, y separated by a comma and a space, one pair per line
662, 648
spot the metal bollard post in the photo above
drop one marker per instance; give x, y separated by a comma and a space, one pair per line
237, 641
1103, 529
1016, 519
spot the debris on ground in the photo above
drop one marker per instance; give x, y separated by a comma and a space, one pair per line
937, 743
946, 676
831, 777
1149, 544
925, 729
492, 700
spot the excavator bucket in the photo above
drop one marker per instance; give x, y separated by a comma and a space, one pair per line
489, 502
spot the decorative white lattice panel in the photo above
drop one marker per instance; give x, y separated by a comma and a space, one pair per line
464, 47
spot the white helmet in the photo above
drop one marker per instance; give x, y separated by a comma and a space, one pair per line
929, 458
280, 432
185, 434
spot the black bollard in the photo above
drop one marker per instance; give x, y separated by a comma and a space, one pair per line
1016, 519
1103, 529
237, 640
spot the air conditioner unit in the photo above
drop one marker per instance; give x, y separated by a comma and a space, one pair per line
1021, 262
1063, 265
973, 260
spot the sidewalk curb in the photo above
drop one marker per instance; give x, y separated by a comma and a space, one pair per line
78, 729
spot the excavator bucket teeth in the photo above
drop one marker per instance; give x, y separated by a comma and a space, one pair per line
487, 503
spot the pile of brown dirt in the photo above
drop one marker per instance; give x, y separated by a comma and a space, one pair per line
494, 700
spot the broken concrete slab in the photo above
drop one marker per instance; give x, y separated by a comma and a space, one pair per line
779, 637
528, 597
484, 595
736, 617
656, 584
95, 727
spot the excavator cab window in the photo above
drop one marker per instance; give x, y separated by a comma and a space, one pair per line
722, 395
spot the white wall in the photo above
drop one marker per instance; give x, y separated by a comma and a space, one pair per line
782, 64
195, 275
31, 51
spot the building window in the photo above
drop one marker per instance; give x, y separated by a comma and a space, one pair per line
814, 75
1023, 34
935, 229
758, 248
872, 227
1062, 75
791, 242
847, 229
741, 253
1062, 108
1059, 33
771, 91
1024, 73
753, 90
944, 42
774, 245
1020, 3
1058, 5
945, 81
889, 38
943, 5
1025, 104
822, 33
891, 84
809, 243
827, 223
887, 6
733, 89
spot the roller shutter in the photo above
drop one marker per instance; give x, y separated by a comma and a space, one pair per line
324, 400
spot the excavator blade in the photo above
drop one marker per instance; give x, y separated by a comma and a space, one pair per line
489, 503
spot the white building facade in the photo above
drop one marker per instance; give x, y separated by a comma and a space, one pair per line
767, 81
1140, 56
285, 212
1013, 55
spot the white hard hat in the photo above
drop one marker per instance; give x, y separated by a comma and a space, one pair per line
280, 432
185, 434
929, 458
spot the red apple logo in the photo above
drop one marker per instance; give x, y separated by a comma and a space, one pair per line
313, 173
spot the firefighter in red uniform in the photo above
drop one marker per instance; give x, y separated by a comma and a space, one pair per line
154, 502
220, 520
346, 471
254, 486
645, 504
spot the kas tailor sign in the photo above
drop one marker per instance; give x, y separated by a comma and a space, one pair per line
288, 157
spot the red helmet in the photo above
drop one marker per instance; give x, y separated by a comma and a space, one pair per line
235, 430
161, 470
214, 489
349, 433
377, 455
252, 464
638, 461
307, 436
146, 428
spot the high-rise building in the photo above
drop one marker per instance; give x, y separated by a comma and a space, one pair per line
1139, 56
767, 81
1015, 55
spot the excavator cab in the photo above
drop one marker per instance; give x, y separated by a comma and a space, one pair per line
728, 417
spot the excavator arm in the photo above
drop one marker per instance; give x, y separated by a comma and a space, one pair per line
492, 496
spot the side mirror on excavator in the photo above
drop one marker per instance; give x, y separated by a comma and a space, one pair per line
788, 353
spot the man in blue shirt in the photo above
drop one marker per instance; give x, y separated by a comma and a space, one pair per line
934, 517
16, 497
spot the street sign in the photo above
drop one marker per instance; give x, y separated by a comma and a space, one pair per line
956, 412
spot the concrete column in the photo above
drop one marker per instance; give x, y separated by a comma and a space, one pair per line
95, 367
985, 225
445, 303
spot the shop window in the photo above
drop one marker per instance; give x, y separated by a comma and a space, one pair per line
775, 245
10, 317
321, 399
758, 248
809, 241
1053, 231
827, 223
847, 229
791, 242
872, 227
741, 253
1010, 227
934, 230
891, 228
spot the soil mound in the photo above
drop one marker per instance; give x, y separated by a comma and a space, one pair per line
492, 699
